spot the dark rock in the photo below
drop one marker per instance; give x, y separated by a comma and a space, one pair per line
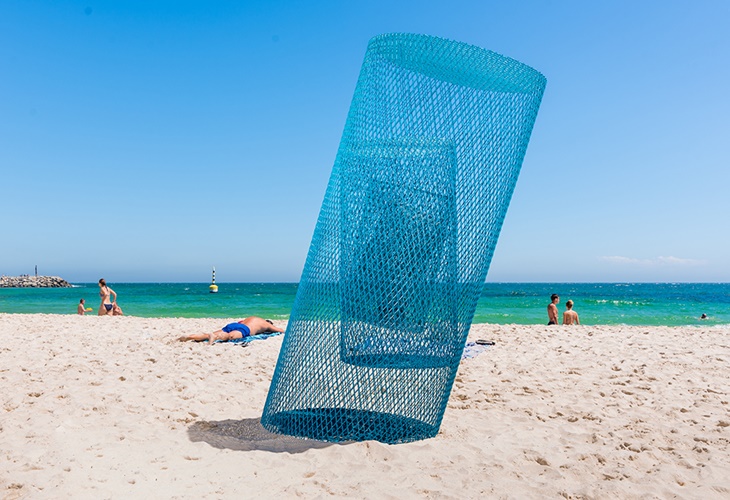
33, 282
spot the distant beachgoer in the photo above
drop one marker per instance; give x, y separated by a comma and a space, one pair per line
704, 316
116, 310
570, 317
107, 304
81, 309
553, 309
253, 325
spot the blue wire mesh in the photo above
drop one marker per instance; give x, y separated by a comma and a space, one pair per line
429, 158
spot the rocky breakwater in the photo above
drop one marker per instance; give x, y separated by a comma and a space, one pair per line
33, 282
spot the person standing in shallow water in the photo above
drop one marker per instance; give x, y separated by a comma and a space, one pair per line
553, 309
570, 317
107, 304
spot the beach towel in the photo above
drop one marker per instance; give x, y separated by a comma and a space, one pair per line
261, 336
472, 349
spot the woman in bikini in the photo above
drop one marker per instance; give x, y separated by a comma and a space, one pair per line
107, 304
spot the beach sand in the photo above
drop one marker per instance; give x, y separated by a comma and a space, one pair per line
116, 408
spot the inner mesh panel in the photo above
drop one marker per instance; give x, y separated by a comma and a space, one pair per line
428, 161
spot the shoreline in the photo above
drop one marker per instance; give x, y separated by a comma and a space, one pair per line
116, 407
660, 305
698, 325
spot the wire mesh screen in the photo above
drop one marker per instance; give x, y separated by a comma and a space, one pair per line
397, 222
428, 160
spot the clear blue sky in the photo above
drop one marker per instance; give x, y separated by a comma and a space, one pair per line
149, 140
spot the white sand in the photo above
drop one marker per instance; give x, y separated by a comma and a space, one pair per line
115, 408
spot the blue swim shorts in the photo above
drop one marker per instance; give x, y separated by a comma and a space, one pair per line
245, 331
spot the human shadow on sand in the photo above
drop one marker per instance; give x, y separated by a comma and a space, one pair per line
249, 435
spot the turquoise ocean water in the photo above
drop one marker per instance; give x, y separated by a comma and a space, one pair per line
670, 304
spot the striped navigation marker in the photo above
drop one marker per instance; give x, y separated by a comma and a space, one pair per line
213, 288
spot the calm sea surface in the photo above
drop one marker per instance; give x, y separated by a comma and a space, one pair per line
670, 304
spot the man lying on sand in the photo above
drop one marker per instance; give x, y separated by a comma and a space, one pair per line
253, 325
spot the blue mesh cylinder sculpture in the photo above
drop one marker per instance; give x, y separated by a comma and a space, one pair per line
430, 155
